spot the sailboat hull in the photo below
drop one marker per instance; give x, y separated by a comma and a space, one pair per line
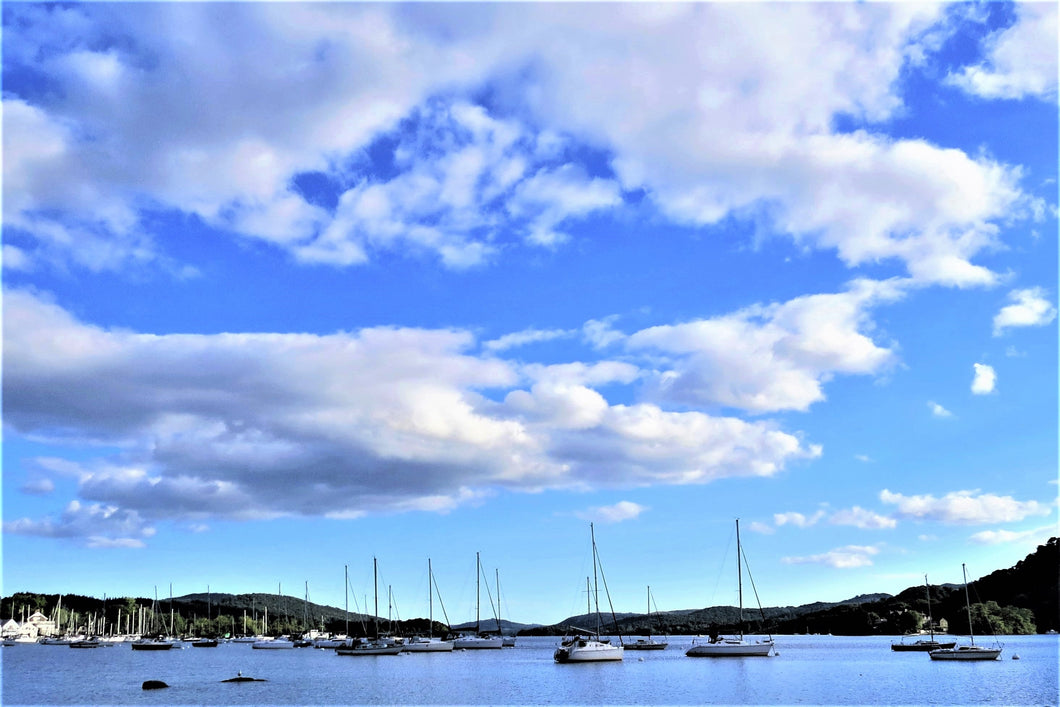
476, 642
966, 653
730, 649
587, 651
642, 644
433, 645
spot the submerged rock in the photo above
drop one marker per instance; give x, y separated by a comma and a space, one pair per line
154, 684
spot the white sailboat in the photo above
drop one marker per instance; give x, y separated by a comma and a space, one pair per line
589, 649
732, 646
971, 651
478, 640
375, 645
647, 644
429, 643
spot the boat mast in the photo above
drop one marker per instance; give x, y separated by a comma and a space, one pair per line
739, 575
347, 600
927, 592
968, 604
375, 581
430, 601
649, 612
596, 587
478, 575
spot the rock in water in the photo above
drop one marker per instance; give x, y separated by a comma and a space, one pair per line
153, 684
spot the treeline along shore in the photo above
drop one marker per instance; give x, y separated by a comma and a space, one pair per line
1023, 599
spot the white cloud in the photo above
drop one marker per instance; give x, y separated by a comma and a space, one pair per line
985, 379
797, 519
522, 338
847, 557
1029, 308
770, 358
938, 411
683, 102
1000, 537
763, 528
963, 507
1021, 60
95, 524
378, 420
623, 510
862, 518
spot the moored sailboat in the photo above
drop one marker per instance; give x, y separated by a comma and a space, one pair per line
738, 645
478, 640
592, 648
429, 643
375, 645
647, 644
921, 644
971, 651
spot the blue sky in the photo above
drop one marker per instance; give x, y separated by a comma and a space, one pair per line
290, 286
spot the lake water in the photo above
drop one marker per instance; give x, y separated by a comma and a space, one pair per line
811, 670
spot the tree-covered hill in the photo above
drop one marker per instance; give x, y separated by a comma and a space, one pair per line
1024, 598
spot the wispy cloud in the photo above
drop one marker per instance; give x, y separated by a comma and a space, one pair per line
962, 507
847, 557
862, 518
623, 510
527, 336
937, 410
797, 519
1001, 537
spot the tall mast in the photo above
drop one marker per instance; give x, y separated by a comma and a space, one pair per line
347, 600
968, 604
739, 575
649, 612
478, 574
375, 582
596, 587
430, 601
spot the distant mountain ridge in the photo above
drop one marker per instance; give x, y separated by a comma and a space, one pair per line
1028, 589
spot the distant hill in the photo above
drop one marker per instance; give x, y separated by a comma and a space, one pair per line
1023, 599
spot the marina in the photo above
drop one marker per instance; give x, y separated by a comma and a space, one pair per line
836, 670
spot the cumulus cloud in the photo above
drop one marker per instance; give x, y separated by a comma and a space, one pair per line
847, 557
623, 510
682, 104
1021, 60
770, 358
985, 379
1029, 308
382, 419
962, 507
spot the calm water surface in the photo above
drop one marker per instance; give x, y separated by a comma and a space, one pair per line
811, 670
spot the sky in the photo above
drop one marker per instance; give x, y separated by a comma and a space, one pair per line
290, 286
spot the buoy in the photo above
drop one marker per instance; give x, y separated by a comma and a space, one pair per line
1016, 656
153, 684
640, 660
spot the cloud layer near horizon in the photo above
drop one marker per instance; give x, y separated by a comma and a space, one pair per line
382, 419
